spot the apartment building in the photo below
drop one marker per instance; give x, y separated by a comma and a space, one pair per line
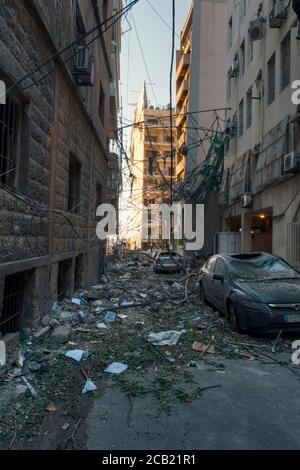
201, 89
183, 71
150, 162
260, 189
55, 131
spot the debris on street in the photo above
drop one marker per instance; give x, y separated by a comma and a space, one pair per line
159, 341
166, 338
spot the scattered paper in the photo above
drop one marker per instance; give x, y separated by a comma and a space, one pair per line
122, 316
116, 368
102, 326
203, 348
165, 338
89, 387
76, 354
100, 310
127, 303
110, 317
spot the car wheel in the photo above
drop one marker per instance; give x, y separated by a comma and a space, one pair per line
202, 293
233, 318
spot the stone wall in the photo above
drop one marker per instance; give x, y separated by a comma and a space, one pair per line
36, 229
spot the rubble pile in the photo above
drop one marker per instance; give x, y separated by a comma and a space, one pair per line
136, 330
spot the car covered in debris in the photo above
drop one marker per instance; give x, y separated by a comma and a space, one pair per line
168, 261
257, 292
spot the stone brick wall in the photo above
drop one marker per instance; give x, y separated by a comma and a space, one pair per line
63, 119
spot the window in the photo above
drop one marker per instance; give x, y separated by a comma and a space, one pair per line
9, 132
78, 270
105, 9
151, 138
221, 267
99, 195
74, 185
250, 49
243, 7
271, 79
228, 87
64, 279
14, 138
230, 33
249, 108
242, 59
80, 28
12, 303
286, 61
102, 104
241, 118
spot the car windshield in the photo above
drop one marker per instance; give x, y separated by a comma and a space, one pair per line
170, 254
261, 268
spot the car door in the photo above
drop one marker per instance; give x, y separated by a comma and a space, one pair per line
219, 287
207, 278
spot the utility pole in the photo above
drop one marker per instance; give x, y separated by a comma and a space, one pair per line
171, 119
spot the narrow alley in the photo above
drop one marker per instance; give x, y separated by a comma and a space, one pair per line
158, 382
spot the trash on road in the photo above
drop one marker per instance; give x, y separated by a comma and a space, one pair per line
166, 338
76, 354
102, 326
110, 317
127, 303
122, 316
203, 348
51, 408
116, 368
100, 310
29, 386
89, 387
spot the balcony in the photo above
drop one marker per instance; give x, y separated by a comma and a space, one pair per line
182, 93
180, 168
183, 66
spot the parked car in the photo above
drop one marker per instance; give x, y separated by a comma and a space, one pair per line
168, 261
256, 292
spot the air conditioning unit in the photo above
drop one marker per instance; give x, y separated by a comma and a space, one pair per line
83, 68
234, 69
256, 29
246, 200
231, 129
280, 10
291, 162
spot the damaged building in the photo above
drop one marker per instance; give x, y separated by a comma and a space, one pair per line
55, 134
260, 189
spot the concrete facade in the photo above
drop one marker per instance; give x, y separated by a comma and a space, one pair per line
265, 129
201, 66
48, 212
150, 161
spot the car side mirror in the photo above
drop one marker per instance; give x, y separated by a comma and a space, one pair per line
218, 277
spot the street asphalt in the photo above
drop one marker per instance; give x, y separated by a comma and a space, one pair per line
256, 407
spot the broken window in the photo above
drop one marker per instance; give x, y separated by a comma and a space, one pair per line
78, 272
241, 118
12, 303
102, 104
74, 185
286, 61
271, 79
249, 108
64, 279
9, 133
80, 28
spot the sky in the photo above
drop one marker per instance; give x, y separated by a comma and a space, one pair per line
156, 41
155, 38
